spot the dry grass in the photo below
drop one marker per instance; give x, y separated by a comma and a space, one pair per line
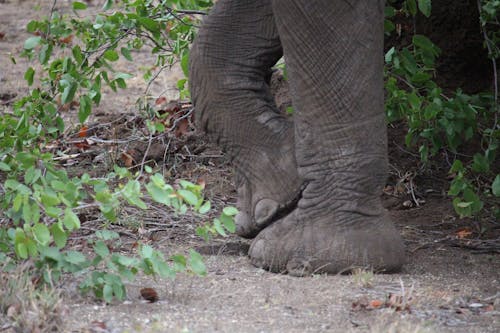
363, 277
26, 307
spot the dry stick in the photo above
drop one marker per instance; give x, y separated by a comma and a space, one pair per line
189, 11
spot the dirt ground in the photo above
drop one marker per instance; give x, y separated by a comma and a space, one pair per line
451, 282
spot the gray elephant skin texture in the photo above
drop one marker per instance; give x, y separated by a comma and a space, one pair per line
308, 187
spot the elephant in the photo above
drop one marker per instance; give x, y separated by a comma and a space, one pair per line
309, 186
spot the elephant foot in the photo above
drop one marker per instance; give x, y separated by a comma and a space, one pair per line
303, 247
268, 194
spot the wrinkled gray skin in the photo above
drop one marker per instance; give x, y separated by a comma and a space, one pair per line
308, 189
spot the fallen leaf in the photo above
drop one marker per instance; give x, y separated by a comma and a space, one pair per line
127, 159
201, 182
83, 145
397, 302
66, 40
489, 307
463, 233
149, 294
13, 310
182, 127
99, 324
160, 100
407, 204
2, 35
375, 304
360, 304
82, 133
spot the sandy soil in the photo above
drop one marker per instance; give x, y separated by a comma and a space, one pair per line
448, 285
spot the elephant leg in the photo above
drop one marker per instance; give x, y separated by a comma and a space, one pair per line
333, 50
230, 67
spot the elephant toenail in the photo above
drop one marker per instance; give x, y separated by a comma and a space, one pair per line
242, 221
265, 209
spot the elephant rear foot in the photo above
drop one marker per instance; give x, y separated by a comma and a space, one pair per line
322, 245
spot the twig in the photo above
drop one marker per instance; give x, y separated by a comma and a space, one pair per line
150, 140
155, 76
413, 192
50, 16
116, 141
189, 11
6, 327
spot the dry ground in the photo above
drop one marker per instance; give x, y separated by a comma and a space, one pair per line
448, 285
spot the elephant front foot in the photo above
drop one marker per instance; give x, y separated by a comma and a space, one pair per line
268, 193
323, 245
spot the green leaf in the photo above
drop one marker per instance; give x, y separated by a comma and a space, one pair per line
470, 195
389, 26
71, 220
21, 250
149, 24
218, 227
158, 194
411, 5
60, 236
205, 208
457, 166
85, 108
32, 175
77, 54
480, 163
146, 251
28, 75
389, 54
389, 11
230, 211
189, 196
425, 7
111, 55
45, 53
75, 257
495, 186
107, 234
49, 198
53, 211
5, 167
196, 263
126, 53
107, 293
185, 63
69, 92
79, 5
101, 248
107, 5
424, 43
124, 76
31, 42
41, 233
51, 253
228, 223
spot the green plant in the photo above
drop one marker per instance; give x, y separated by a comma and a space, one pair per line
40, 201
438, 122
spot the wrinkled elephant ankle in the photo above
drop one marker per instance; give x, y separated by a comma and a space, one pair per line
324, 245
